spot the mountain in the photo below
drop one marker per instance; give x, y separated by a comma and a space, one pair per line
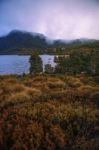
16, 41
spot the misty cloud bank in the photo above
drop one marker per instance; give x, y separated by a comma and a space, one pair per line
66, 19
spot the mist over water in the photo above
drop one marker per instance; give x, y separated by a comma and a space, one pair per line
66, 19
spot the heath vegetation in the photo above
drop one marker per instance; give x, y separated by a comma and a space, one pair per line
49, 112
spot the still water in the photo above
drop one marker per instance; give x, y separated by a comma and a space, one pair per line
48, 59
15, 64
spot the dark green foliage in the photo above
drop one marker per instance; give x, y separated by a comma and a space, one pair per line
49, 69
79, 61
36, 65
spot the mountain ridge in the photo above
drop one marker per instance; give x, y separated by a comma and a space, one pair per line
17, 39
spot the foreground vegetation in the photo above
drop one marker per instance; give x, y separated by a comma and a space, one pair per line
45, 112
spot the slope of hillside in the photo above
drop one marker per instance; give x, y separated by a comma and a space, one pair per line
23, 42
17, 40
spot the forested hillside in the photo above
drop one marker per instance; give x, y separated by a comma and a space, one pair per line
22, 42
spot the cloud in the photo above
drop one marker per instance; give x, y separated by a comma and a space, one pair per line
55, 18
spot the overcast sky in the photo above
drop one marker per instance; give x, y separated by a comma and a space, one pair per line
66, 19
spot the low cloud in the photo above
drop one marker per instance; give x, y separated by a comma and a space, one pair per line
55, 18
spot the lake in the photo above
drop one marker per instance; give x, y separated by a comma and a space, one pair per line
48, 59
15, 64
